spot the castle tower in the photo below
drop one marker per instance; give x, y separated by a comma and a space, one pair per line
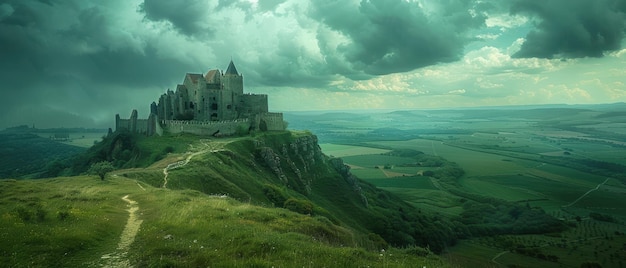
133, 121
232, 83
232, 80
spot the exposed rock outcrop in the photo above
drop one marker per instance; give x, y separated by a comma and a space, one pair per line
344, 170
293, 160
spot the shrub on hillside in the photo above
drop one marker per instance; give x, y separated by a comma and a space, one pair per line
299, 206
101, 169
274, 195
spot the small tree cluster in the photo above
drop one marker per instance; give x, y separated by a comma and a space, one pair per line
101, 169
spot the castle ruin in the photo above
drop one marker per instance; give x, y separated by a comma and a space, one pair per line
210, 104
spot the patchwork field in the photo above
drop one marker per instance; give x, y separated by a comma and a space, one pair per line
572, 168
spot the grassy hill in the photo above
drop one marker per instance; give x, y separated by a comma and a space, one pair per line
81, 222
269, 200
24, 154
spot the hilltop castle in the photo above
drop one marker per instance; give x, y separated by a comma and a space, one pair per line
210, 104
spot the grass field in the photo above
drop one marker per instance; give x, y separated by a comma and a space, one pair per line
550, 158
78, 222
512, 169
405, 181
338, 150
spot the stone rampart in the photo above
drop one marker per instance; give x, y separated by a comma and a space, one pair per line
226, 128
273, 121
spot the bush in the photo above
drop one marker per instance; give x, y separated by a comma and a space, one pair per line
378, 241
23, 213
101, 169
274, 195
300, 206
63, 215
40, 214
168, 149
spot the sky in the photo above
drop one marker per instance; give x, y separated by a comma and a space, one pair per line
77, 63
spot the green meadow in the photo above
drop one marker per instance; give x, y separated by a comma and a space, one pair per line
80, 221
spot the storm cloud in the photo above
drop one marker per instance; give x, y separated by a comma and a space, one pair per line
71, 58
189, 17
572, 29
397, 36
77, 62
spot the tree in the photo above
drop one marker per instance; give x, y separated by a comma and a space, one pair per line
101, 169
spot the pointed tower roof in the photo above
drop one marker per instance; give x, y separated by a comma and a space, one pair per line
231, 68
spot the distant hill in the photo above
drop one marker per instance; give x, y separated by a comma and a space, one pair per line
23, 154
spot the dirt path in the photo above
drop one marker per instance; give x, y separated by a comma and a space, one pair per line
588, 192
498, 256
118, 258
205, 147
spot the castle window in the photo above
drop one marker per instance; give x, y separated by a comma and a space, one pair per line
228, 107
214, 106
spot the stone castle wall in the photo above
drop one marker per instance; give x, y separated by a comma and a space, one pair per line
273, 121
134, 125
205, 127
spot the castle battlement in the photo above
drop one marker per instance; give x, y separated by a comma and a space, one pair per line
201, 123
207, 104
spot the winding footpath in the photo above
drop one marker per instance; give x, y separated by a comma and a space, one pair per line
118, 258
208, 147
588, 192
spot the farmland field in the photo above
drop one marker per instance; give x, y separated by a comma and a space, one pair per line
339, 150
573, 169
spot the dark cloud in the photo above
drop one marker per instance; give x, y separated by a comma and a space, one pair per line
187, 16
398, 36
572, 29
81, 60
290, 66
71, 58
268, 5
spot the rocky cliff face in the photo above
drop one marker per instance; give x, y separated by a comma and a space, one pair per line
295, 161
352, 180
292, 160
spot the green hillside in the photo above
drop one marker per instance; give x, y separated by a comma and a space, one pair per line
24, 154
269, 200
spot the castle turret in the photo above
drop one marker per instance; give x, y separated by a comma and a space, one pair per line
153, 108
231, 69
133, 121
232, 83
232, 80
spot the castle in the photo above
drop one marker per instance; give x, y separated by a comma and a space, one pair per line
210, 104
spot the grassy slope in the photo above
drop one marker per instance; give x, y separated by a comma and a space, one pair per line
239, 169
180, 228
83, 217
